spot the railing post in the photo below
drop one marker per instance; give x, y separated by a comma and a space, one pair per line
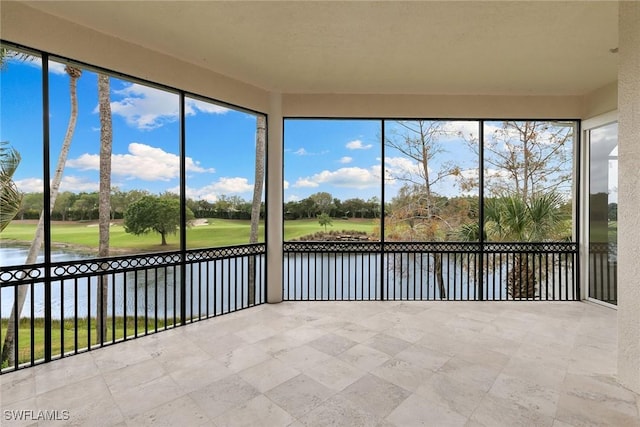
47, 211
183, 217
480, 284
383, 297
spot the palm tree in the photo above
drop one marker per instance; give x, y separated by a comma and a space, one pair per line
104, 205
9, 341
511, 218
10, 196
261, 130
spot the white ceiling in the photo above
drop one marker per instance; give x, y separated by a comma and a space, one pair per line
456, 47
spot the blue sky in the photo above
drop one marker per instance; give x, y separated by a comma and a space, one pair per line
220, 144
342, 157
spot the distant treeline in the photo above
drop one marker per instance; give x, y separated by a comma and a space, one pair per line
84, 206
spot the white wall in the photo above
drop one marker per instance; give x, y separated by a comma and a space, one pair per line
433, 106
600, 101
629, 196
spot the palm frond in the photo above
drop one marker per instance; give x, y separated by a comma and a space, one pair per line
10, 196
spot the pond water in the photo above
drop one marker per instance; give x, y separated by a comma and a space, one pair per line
153, 292
222, 285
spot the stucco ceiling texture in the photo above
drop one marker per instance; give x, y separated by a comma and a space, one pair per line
520, 47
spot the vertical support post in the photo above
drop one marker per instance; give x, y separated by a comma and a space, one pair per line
629, 196
183, 217
275, 200
577, 284
46, 167
480, 284
383, 297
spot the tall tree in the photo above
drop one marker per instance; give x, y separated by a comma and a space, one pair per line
527, 158
104, 205
10, 196
154, 213
512, 219
416, 212
8, 348
324, 219
323, 201
261, 136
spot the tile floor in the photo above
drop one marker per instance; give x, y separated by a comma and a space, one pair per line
348, 364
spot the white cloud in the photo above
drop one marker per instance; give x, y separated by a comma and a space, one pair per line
77, 184
357, 145
301, 152
33, 61
71, 183
346, 160
143, 162
305, 183
224, 186
401, 166
354, 177
30, 185
194, 105
148, 108
285, 184
468, 129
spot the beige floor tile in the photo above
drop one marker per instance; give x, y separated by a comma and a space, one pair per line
269, 374
356, 332
363, 357
20, 413
334, 373
339, 412
256, 332
148, 395
217, 346
301, 357
259, 411
66, 371
332, 344
577, 411
18, 386
498, 412
374, 395
497, 363
192, 378
227, 393
107, 360
299, 395
475, 374
86, 402
424, 357
458, 396
403, 373
526, 393
133, 376
418, 411
387, 344
243, 357
182, 411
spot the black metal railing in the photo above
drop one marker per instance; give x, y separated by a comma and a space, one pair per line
430, 271
141, 294
603, 272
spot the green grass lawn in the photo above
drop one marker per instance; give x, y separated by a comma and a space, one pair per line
64, 333
295, 229
218, 232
